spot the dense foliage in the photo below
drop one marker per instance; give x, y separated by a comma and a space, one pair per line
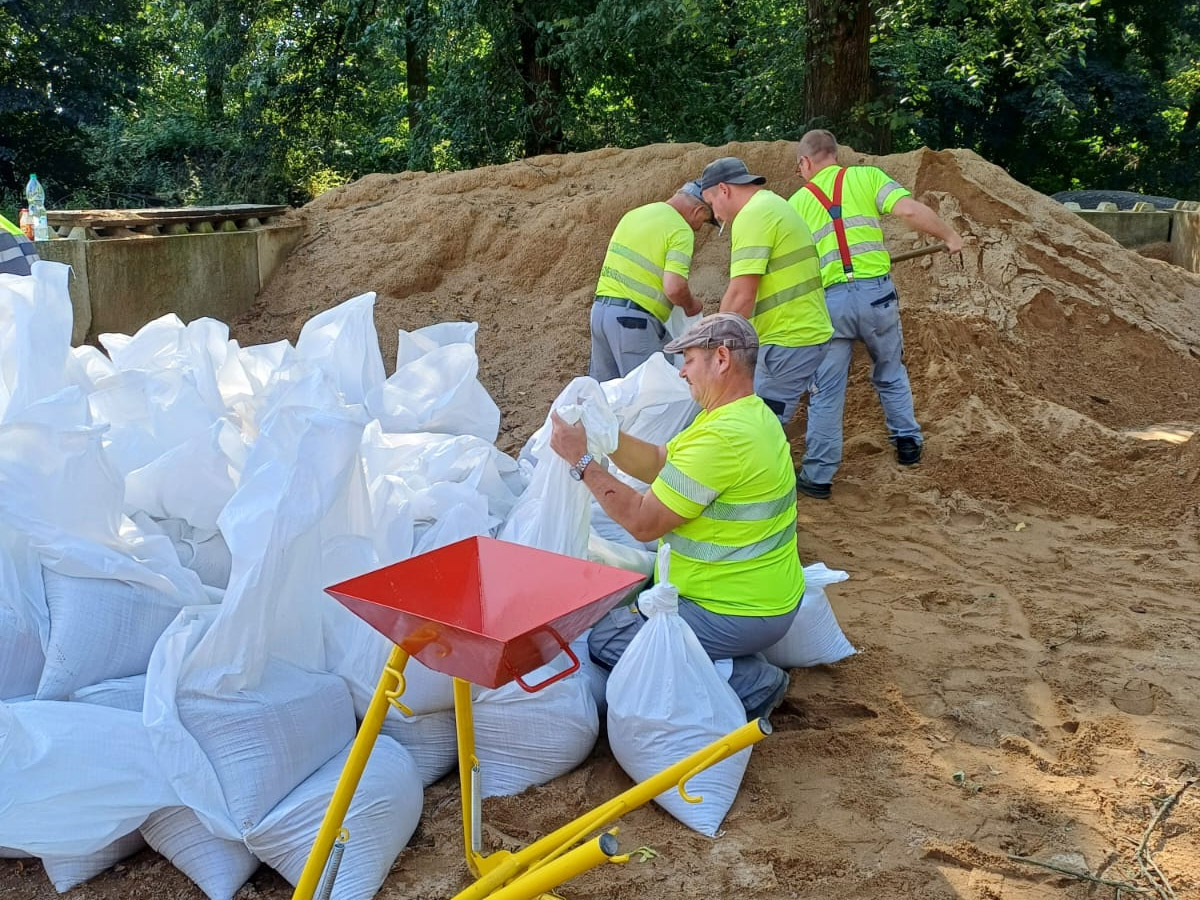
127, 103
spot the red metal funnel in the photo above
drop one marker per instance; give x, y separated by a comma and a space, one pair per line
484, 610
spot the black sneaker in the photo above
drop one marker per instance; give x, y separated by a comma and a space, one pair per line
768, 706
908, 451
817, 491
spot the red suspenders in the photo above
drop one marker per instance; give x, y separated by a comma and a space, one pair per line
834, 208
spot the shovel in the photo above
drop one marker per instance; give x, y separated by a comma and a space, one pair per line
920, 251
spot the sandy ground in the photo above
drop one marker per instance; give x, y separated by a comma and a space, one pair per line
1024, 601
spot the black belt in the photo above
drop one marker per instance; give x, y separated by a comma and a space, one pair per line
619, 301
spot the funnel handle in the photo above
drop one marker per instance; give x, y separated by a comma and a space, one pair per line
569, 670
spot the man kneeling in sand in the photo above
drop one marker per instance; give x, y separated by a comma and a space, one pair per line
723, 495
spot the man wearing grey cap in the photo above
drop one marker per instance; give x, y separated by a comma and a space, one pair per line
645, 273
723, 495
774, 281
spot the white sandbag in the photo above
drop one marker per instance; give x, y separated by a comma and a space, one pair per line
679, 322
201, 550
149, 413
261, 743
218, 867
22, 610
435, 388
814, 637
213, 461
35, 337
119, 693
10, 853
619, 555
58, 488
651, 403
76, 777
553, 512
195, 350
357, 652
424, 459
381, 818
666, 701
65, 872
432, 739
597, 676
343, 343
523, 739
99, 629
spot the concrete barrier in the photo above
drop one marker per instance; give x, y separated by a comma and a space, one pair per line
1128, 228
121, 283
1185, 239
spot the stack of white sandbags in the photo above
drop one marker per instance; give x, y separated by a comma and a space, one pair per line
140, 485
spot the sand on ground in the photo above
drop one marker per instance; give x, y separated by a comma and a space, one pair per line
1024, 602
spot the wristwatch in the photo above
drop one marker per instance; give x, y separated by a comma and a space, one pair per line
577, 469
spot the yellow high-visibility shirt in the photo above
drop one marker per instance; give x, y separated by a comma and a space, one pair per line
867, 193
730, 474
769, 238
647, 242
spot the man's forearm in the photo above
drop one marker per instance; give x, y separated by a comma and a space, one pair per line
740, 295
622, 503
641, 459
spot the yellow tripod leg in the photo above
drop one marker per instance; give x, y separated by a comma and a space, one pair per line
386, 692
547, 849
534, 884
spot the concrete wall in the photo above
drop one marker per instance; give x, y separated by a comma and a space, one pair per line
1185, 239
1131, 229
120, 284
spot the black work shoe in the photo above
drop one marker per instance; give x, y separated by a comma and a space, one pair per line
908, 451
768, 706
817, 491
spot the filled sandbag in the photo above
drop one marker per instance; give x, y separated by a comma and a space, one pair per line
117, 693
814, 637
381, 818
523, 739
100, 628
262, 743
217, 866
431, 738
666, 701
75, 777
65, 872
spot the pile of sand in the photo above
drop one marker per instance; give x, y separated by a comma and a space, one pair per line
1024, 602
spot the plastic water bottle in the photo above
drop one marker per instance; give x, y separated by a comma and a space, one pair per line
36, 196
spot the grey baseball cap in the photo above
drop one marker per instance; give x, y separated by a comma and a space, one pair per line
692, 189
728, 170
718, 330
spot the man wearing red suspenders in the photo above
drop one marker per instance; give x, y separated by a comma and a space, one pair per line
842, 207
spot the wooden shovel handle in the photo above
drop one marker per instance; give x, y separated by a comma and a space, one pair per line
920, 251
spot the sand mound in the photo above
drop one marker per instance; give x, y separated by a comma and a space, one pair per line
1024, 602
1038, 357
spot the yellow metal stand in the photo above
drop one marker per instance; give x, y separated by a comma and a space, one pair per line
547, 862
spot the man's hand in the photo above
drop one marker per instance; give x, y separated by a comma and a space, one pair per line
568, 441
954, 243
694, 308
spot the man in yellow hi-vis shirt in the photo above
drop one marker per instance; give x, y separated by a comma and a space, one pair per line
774, 281
723, 495
842, 206
645, 273
17, 252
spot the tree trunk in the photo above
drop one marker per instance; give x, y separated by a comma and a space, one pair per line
541, 88
416, 62
837, 82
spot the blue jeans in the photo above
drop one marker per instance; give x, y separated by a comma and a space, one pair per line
866, 310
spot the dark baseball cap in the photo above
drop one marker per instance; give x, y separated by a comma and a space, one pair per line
718, 330
728, 170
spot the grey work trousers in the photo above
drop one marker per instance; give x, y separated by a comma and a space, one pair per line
740, 638
623, 338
